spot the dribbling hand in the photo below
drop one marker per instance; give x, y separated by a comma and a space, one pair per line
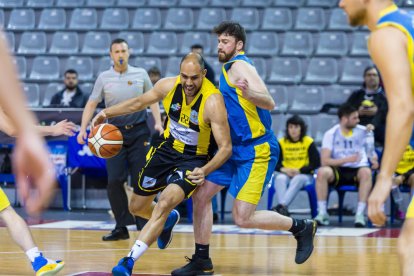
98, 119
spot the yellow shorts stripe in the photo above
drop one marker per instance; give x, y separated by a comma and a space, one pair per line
4, 201
410, 211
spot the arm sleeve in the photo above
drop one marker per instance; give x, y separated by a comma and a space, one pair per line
314, 160
327, 140
354, 99
97, 92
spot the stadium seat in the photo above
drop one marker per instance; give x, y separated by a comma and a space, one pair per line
310, 19
257, 3
208, 18
162, 43
322, 71
21, 19
147, 19
2, 19
147, 62
52, 19
277, 19
359, 44
322, 3
408, 3
247, 17
70, 3
338, 21
191, 38
87, 88
260, 65
321, 123
131, 3
32, 92
353, 69
173, 67
289, 3
11, 3
21, 65
335, 95
162, 3
45, 68
82, 65
51, 90
40, 3
179, 19
279, 94
332, 44
84, 19
307, 99
64, 43
96, 43
194, 3
32, 43
104, 64
100, 3
297, 44
10, 40
285, 70
216, 65
115, 19
263, 43
278, 124
227, 3
135, 41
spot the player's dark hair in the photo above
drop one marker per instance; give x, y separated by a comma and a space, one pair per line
231, 28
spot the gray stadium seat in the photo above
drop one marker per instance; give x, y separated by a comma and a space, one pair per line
335, 95
147, 19
64, 43
338, 21
21, 19
278, 125
297, 44
32, 92
96, 43
191, 38
115, 19
257, 3
9, 36
332, 44
1, 19
162, 3
86, 87
52, 19
210, 17
307, 99
260, 65
216, 65
51, 90
40, 3
247, 17
70, 3
322, 71
194, 3
32, 43
162, 43
359, 44
147, 62
45, 68
131, 3
277, 19
289, 3
322, 3
82, 65
310, 19
285, 70
408, 3
104, 64
227, 3
353, 69
84, 19
21, 65
100, 3
279, 94
11, 3
263, 43
173, 67
179, 19
135, 41
322, 123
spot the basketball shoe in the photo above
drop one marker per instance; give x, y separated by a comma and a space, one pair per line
305, 241
124, 267
195, 266
45, 267
166, 235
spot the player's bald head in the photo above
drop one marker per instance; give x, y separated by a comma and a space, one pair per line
194, 58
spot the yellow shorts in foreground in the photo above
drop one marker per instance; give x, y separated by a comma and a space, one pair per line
4, 201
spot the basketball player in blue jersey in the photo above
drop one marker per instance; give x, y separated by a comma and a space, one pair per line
255, 154
391, 46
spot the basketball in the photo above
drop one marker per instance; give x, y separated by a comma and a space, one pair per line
105, 140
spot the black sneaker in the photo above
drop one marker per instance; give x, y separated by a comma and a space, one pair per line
305, 241
195, 266
117, 234
281, 209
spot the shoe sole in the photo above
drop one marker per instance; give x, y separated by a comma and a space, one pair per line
320, 223
207, 272
172, 233
119, 273
359, 225
315, 228
58, 268
115, 239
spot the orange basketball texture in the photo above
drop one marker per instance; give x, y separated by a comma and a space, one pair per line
105, 140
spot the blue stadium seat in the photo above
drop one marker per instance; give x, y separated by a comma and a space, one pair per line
162, 43
162, 3
32, 92
247, 17
359, 44
87, 87
82, 65
2, 19
332, 44
9, 36
84, 19
135, 41
32, 43
147, 62
277, 19
263, 43
257, 3
21, 19
279, 94
297, 44
191, 38
52, 19
21, 65
147, 19
322, 123
179, 19
285, 70
115, 19
227, 3
11, 3
335, 95
64, 43
173, 67
131, 3
310, 19
289, 3
216, 65
353, 69
260, 65
194, 3
104, 64
338, 21
307, 99
321, 71
100, 3
70, 3
322, 3
45, 68
40, 3
208, 18
96, 43
408, 3
51, 90
278, 124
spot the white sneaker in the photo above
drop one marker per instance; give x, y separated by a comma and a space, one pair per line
360, 221
322, 219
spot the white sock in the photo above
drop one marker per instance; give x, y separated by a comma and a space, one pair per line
137, 250
33, 253
322, 207
361, 208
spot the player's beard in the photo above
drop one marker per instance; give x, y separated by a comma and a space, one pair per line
358, 18
223, 57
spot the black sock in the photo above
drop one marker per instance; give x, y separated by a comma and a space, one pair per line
140, 222
202, 251
297, 226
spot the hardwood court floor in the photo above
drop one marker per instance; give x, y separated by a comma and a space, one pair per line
233, 254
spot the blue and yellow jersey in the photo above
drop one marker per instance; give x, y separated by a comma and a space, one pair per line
407, 162
403, 21
247, 121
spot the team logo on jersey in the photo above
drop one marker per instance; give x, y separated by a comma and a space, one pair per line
176, 107
194, 117
148, 182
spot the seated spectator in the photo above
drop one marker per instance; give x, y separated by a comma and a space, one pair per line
71, 96
404, 175
154, 74
344, 161
198, 48
298, 159
371, 103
